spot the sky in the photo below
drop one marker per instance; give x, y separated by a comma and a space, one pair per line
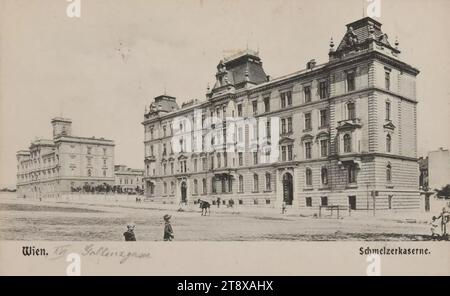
101, 69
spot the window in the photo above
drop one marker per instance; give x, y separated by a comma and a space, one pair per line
283, 125
104, 151
347, 143
241, 158
151, 134
268, 128
204, 186
286, 99
241, 134
164, 131
388, 143
204, 164
388, 173
255, 107
171, 168
224, 112
307, 150
104, 162
268, 181
289, 149
164, 150
172, 188
308, 202
89, 173
351, 174
89, 150
219, 160
323, 148
307, 121
387, 79
324, 201
255, 183
165, 188
323, 90
239, 108
308, 177
241, 184
289, 124
213, 184
165, 169
307, 93
388, 110
351, 114
89, 161
255, 157
195, 165
151, 150
267, 104
350, 81
323, 118
212, 162
195, 186
283, 153
324, 175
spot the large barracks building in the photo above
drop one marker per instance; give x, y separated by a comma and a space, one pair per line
339, 133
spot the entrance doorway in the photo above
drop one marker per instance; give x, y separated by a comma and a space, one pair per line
352, 202
183, 193
288, 189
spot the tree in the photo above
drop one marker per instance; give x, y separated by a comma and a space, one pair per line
444, 192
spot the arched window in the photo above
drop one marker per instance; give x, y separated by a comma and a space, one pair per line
308, 176
204, 186
324, 175
388, 143
255, 183
347, 143
241, 184
351, 112
388, 173
172, 187
213, 184
195, 186
268, 181
165, 188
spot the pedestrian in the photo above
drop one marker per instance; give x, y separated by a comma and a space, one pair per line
434, 226
218, 202
283, 207
168, 231
129, 234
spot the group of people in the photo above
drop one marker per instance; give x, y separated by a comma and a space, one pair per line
442, 220
168, 230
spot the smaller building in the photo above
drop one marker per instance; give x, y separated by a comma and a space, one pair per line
129, 180
65, 163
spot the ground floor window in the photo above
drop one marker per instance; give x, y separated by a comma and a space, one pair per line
324, 200
309, 202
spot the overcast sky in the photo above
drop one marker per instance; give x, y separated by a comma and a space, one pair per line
100, 70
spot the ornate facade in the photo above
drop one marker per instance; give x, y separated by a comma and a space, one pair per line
53, 167
343, 132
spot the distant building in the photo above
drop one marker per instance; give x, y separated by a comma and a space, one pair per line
65, 163
347, 132
129, 180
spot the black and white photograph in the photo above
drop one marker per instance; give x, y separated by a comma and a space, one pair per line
229, 121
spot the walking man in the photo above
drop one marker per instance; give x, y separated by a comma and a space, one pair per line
168, 231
